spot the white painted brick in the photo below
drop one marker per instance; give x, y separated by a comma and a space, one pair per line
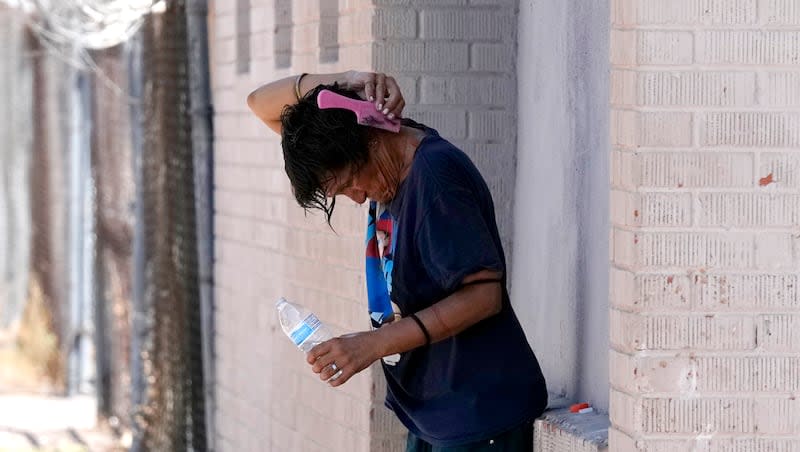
651, 209
395, 23
624, 412
781, 12
765, 291
684, 249
715, 443
664, 47
225, 50
663, 129
705, 294
748, 209
764, 129
690, 170
489, 125
687, 12
453, 90
225, 26
465, 24
355, 5
638, 332
696, 88
621, 442
661, 292
420, 3
624, 87
253, 179
649, 47
687, 249
423, 56
225, 76
761, 374
305, 37
408, 86
780, 170
356, 56
697, 416
359, 27
778, 415
623, 47
491, 57
665, 209
262, 19
781, 89
694, 375
779, 332
760, 47
450, 123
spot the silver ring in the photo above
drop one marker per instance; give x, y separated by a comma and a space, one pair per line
337, 370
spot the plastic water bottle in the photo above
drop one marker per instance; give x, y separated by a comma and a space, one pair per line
301, 325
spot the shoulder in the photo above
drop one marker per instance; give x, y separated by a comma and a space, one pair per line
443, 166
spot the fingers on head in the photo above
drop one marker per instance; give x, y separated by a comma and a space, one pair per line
380, 89
394, 97
369, 87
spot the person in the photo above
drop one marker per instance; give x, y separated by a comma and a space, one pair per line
460, 373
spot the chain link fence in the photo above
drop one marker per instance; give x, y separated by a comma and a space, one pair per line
114, 192
113, 255
172, 414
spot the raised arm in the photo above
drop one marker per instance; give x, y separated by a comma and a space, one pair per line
267, 101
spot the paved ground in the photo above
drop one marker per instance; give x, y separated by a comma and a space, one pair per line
31, 422
33, 419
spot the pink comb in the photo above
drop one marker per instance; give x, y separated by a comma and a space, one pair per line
365, 111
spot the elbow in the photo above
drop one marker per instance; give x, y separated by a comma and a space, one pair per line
251, 100
497, 306
494, 302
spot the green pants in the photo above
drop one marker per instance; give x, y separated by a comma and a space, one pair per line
519, 439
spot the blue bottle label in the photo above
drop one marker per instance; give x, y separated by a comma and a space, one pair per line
305, 329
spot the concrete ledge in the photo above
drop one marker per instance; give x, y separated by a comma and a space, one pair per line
558, 430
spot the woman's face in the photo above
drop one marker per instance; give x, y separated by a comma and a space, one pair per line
377, 179
358, 184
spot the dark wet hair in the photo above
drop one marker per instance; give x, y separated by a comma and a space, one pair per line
317, 143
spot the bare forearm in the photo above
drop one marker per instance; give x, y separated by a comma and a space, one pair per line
446, 318
268, 101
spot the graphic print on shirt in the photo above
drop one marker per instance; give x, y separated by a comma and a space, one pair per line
381, 227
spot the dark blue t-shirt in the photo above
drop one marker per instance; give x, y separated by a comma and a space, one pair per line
486, 379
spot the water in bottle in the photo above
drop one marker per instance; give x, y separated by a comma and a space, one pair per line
301, 325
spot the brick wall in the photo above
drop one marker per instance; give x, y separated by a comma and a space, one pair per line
706, 225
457, 64
267, 396
455, 59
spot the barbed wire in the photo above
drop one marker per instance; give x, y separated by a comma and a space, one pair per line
70, 29
88, 24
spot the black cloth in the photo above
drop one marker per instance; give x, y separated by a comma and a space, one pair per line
486, 379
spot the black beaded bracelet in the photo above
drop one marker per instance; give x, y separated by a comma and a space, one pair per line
422, 327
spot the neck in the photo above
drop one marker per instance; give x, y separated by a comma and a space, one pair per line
394, 159
403, 146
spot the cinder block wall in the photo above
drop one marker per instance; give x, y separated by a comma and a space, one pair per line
458, 63
268, 398
706, 225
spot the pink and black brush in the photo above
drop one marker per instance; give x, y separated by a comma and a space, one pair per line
365, 111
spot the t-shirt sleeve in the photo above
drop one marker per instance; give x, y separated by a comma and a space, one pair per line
454, 240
